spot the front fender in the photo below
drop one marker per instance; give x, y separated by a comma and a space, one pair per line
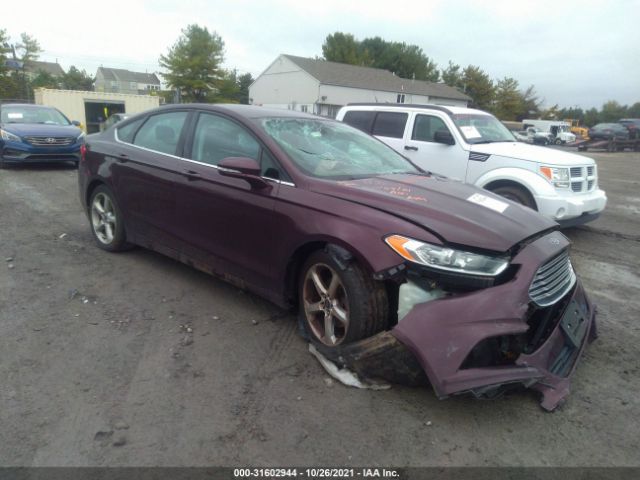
536, 184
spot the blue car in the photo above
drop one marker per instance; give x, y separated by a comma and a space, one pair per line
37, 134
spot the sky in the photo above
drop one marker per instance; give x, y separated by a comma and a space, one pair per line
575, 53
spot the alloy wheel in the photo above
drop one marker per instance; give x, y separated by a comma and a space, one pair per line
326, 305
103, 218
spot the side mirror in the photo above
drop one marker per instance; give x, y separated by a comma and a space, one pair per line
75, 123
445, 137
244, 168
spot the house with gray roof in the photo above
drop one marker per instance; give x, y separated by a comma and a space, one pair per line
321, 87
118, 80
33, 67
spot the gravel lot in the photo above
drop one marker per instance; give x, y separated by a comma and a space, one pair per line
135, 359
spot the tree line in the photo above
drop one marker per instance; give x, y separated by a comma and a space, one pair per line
505, 98
15, 58
193, 69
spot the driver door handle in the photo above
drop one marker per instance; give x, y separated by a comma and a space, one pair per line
192, 175
410, 147
123, 157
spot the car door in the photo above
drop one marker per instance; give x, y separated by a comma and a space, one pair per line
145, 173
421, 147
224, 222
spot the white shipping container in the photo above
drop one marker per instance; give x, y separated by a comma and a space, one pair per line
90, 108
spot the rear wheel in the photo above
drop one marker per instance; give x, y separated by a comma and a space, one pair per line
516, 194
107, 224
340, 304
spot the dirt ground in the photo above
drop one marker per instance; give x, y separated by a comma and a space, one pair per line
135, 359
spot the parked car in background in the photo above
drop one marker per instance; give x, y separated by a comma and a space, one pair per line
113, 119
559, 131
538, 137
632, 125
608, 131
37, 134
475, 147
351, 233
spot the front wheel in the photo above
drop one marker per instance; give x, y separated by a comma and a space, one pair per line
558, 141
340, 304
106, 219
516, 194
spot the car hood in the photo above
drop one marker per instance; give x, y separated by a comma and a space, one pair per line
531, 153
38, 129
444, 208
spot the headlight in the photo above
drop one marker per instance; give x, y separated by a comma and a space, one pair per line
448, 259
81, 137
559, 177
8, 136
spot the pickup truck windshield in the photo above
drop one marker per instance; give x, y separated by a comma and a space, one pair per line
334, 150
32, 114
478, 128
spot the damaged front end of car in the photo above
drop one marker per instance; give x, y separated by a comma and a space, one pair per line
526, 326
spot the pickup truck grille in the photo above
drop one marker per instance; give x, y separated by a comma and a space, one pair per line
552, 280
49, 141
583, 179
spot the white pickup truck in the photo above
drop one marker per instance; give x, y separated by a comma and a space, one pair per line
474, 147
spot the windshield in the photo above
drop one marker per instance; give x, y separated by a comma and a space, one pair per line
43, 115
478, 128
328, 149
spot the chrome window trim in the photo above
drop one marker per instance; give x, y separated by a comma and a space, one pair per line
275, 180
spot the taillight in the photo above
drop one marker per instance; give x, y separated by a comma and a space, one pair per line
83, 152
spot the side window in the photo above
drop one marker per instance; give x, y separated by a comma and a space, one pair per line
217, 138
126, 133
359, 119
269, 168
426, 126
161, 132
390, 124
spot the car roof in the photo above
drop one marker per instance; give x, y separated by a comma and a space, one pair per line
417, 106
248, 111
25, 105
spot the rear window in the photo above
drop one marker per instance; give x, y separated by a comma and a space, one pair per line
390, 124
360, 120
126, 132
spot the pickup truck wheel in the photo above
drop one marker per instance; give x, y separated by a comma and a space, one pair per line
516, 194
340, 304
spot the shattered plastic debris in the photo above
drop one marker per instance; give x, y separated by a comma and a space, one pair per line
62, 235
344, 376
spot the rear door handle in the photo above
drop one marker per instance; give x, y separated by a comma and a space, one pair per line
409, 147
192, 175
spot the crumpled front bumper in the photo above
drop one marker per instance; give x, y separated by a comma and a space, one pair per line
441, 334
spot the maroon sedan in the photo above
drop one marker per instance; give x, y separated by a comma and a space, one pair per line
388, 265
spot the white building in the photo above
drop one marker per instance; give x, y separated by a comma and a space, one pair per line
321, 87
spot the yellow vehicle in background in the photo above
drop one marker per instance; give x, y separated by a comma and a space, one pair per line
577, 129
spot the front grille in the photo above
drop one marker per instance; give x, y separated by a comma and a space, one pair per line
583, 179
50, 141
552, 280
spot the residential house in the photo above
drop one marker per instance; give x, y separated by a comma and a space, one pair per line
321, 87
33, 67
117, 80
